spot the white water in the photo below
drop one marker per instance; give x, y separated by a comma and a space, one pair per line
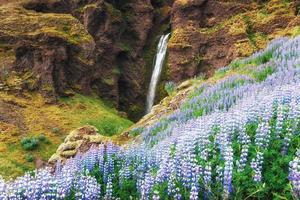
159, 61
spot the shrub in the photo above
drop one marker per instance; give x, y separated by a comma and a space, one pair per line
43, 138
55, 130
29, 144
29, 158
170, 88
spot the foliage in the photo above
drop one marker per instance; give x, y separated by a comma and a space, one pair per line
29, 158
263, 74
29, 143
170, 88
55, 130
136, 131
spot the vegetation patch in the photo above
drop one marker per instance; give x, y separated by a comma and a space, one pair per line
170, 88
18, 22
48, 125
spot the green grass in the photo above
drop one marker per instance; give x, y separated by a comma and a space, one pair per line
263, 74
98, 114
49, 124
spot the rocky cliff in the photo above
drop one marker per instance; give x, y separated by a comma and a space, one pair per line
106, 47
208, 34
78, 46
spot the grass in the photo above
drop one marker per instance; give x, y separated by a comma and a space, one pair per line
50, 123
263, 74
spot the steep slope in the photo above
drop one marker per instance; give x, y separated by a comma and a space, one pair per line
236, 136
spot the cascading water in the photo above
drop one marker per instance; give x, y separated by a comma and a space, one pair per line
159, 61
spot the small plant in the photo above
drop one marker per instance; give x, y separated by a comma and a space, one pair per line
29, 143
170, 88
236, 64
200, 77
43, 138
55, 130
136, 131
29, 158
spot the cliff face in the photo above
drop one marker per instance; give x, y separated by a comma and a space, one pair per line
78, 46
208, 34
106, 47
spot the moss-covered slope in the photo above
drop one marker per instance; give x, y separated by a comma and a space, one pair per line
31, 116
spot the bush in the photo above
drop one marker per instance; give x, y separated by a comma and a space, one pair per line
170, 88
29, 144
43, 138
55, 130
29, 158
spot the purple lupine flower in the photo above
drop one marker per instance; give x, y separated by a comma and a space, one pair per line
155, 195
256, 165
294, 174
147, 185
177, 195
109, 190
194, 193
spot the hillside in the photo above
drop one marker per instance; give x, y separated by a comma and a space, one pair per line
236, 136
78, 79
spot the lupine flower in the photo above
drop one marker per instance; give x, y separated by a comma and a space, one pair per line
294, 174
194, 193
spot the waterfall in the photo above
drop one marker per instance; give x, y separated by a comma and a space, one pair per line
159, 61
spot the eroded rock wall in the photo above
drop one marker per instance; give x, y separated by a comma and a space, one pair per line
208, 34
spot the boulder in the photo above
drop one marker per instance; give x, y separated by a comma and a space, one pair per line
78, 140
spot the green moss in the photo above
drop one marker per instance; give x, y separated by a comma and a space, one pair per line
125, 47
29, 158
15, 21
113, 12
116, 70
212, 30
89, 6
109, 81
180, 38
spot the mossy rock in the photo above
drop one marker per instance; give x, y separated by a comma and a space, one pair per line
17, 22
68, 153
68, 146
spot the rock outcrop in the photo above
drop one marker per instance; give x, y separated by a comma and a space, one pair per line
78, 140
